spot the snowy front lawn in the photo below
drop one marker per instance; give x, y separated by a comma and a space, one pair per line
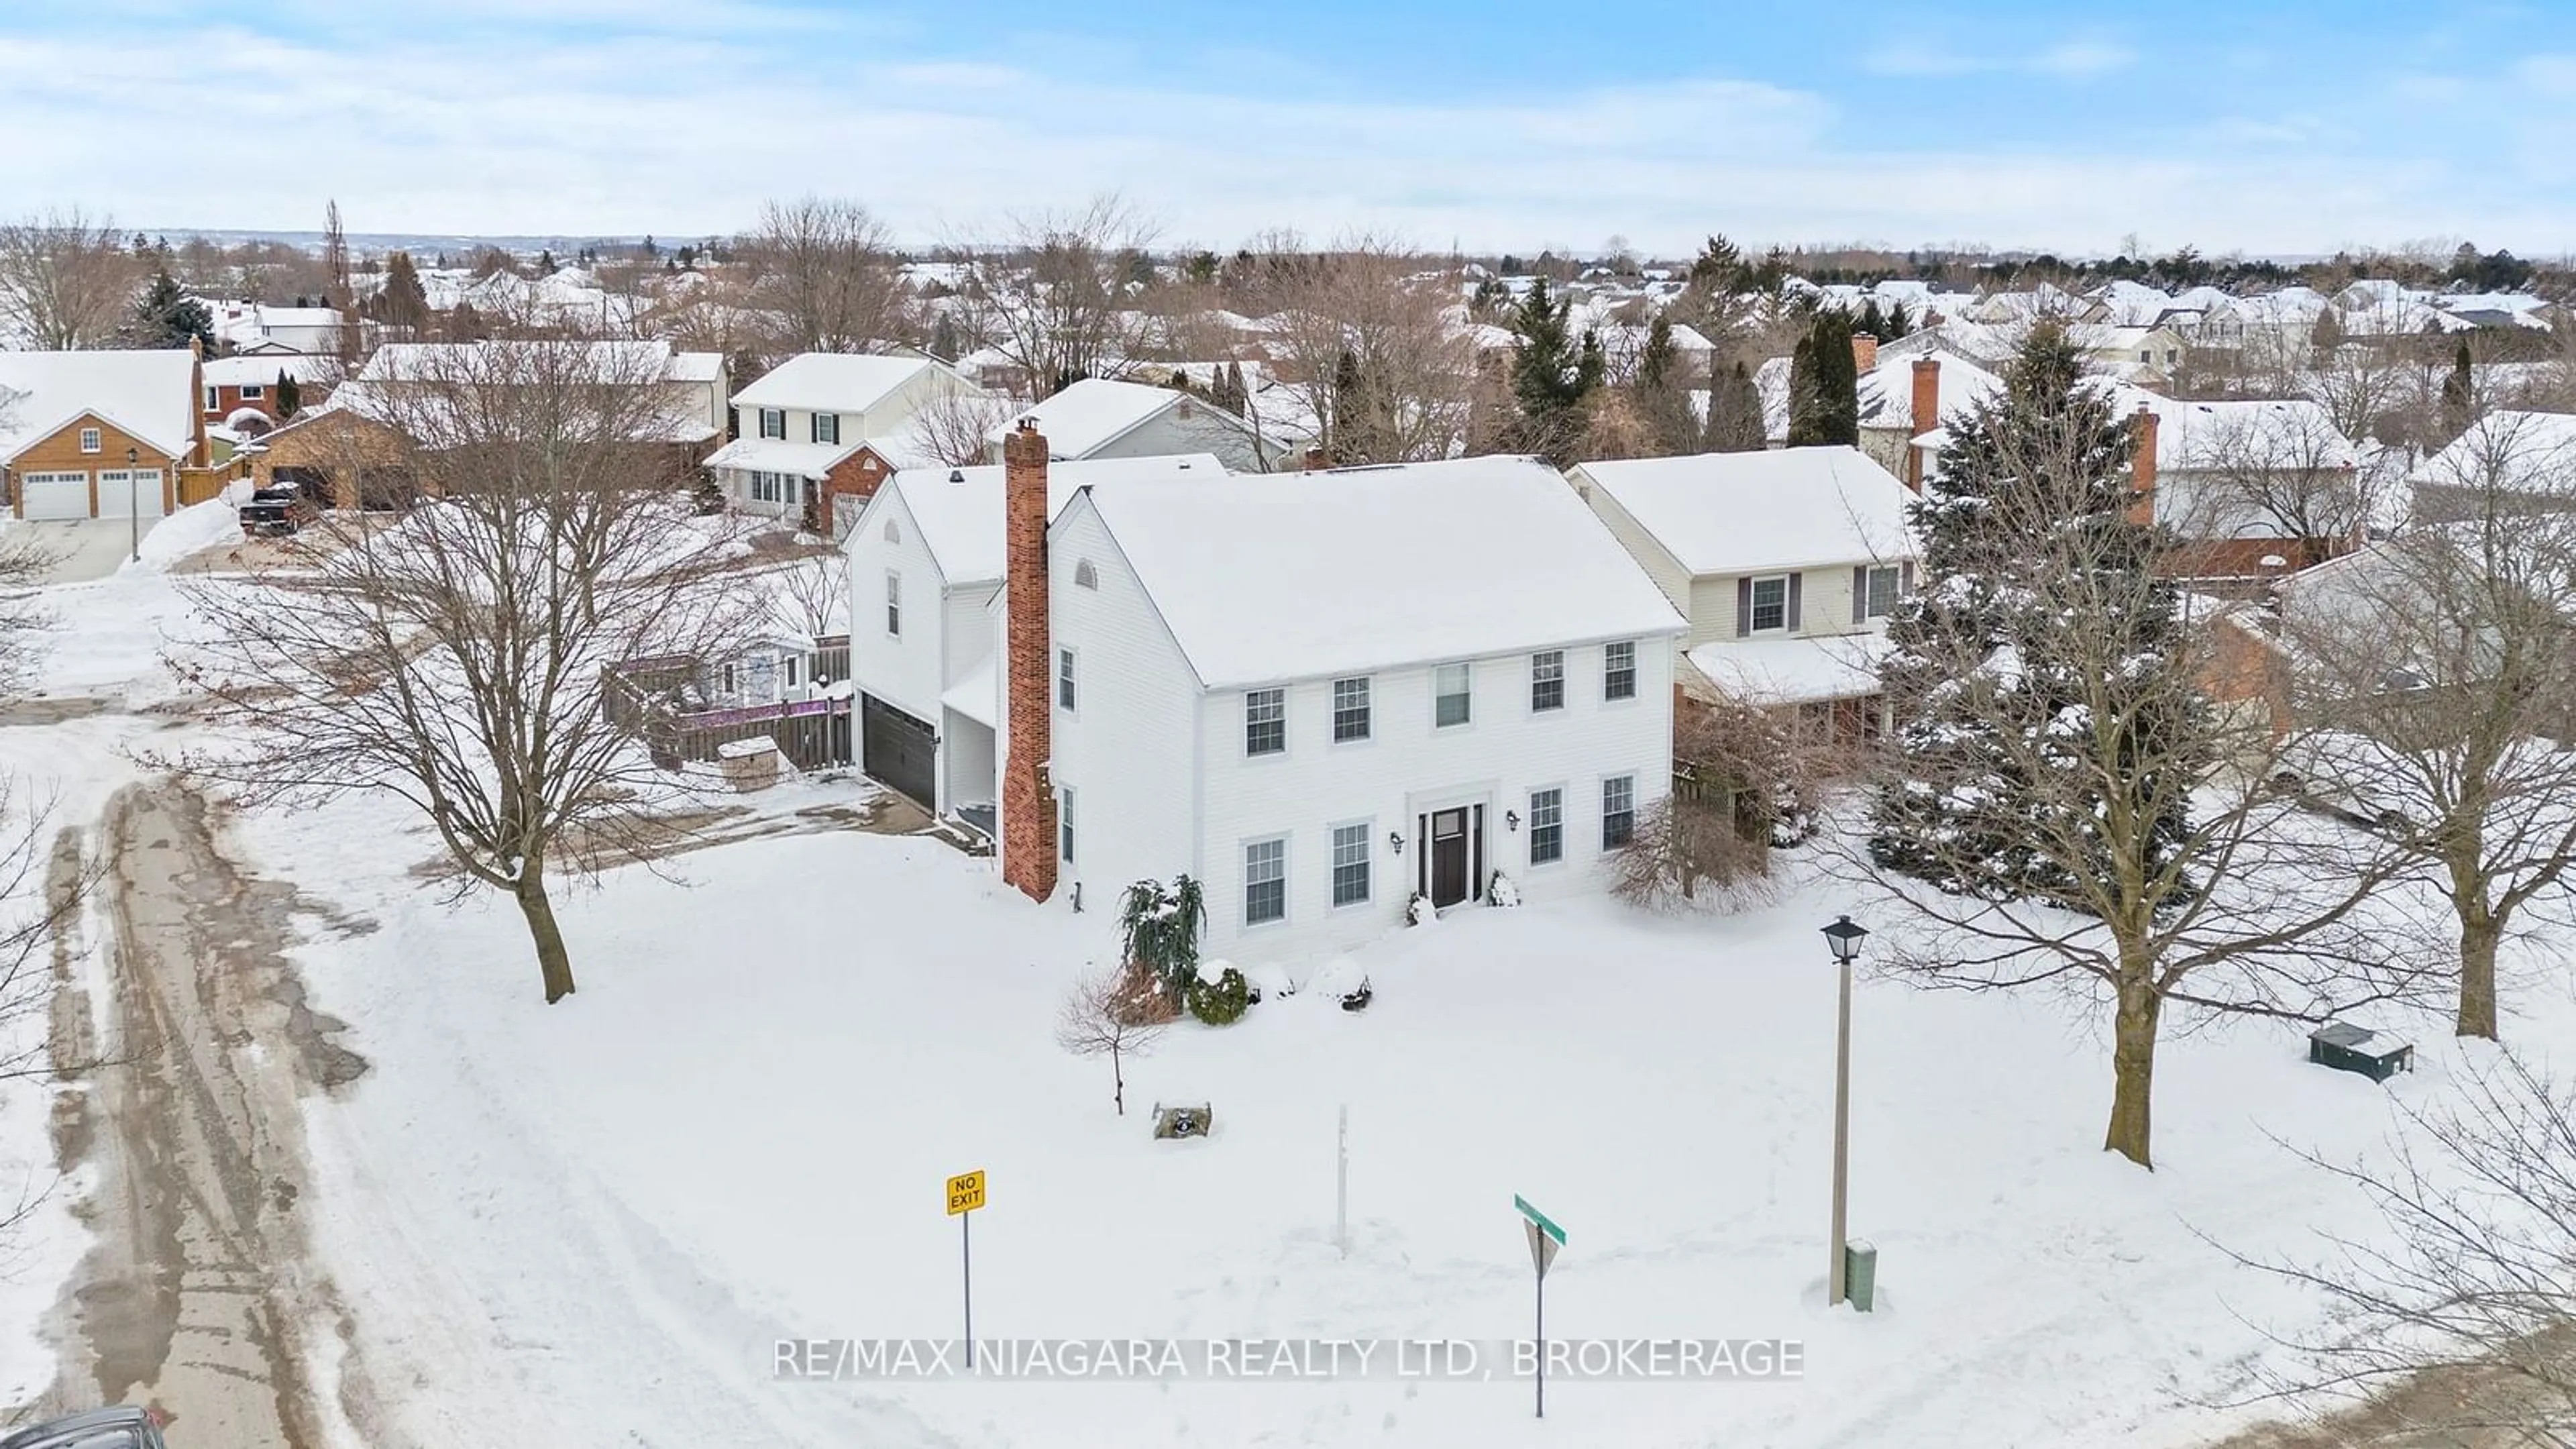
591, 1222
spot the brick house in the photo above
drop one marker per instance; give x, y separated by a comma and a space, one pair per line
99, 434
232, 385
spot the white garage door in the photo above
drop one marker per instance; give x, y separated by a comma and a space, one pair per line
55, 495
116, 497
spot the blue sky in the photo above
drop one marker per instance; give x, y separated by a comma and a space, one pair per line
2234, 127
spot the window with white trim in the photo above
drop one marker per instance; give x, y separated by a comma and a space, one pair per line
894, 604
827, 427
1452, 688
773, 423
1547, 680
1618, 811
777, 488
1770, 604
1619, 670
89, 440
253, 392
1265, 882
1350, 709
1547, 826
790, 667
1064, 823
1265, 721
1880, 598
214, 399
1064, 693
1351, 863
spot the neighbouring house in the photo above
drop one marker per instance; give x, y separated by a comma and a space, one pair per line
233, 386
926, 562
100, 434
1098, 418
2251, 487
1786, 563
254, 327
1904, 398
2507, 457
825, 426
1322, 694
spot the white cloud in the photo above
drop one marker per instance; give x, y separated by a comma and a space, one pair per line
2070, 58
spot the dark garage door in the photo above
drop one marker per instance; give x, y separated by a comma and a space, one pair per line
899, 751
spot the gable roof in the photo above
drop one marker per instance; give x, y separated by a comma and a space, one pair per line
2509, 450
1782, 508
1303, 575
1886, 392
832, 382
151, 395
958, 511
1095, 412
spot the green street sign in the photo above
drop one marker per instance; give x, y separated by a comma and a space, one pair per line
1539, 1220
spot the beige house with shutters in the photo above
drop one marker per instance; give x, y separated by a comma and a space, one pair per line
1786, 563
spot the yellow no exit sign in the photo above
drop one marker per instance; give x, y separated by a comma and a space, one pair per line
966, 1192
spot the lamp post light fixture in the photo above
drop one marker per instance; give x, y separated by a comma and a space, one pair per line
133, 516
1844, 938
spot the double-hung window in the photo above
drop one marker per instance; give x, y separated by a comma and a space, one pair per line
1064, 823
253, 392
1265, 882
894, 604
1547, 826
89, 440
1547, 680
1618, 811
773, 423
1770, 604
827, 427
1265, 721
1619, 670
1350, 864
1350, 709
1064, 695
1880, 592
1450, 695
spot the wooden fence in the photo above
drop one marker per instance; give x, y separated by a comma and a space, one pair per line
811, 733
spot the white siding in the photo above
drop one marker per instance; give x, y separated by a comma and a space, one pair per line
1407, 766
1127, 747
1652, 556
1824, 606
1203, 431
906, 672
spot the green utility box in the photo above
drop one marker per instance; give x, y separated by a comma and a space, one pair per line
1860, 1274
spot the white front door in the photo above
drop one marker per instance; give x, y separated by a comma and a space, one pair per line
54, 495
120, 493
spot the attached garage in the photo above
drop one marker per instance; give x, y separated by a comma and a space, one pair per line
54, 495
120, 493
898, 750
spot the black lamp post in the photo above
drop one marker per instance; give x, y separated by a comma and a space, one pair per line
133, 497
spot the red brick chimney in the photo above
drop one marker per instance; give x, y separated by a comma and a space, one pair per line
1864, 351
1028, 791
1927, 416
2142, 468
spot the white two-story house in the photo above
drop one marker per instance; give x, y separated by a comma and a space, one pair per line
1787, 563
1101, 418
829, 424
1321, 694
926, 560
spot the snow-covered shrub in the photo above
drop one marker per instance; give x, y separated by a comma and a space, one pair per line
1160, 926
1342, 980
1501, 892
1221, 1002
1419, 911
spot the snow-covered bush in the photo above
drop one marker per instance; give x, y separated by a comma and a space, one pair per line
1160, 926
1220, 1002
1501, 892
1342, 980
1419, 911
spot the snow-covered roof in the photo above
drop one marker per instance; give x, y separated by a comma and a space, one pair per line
978, 696
958, 511
1793, 671
832, 382
1095, 412
1781, 508
2270, 433
1887, 391
1303, 575
150, 395
623, 361
2513, 451
256, 371
777, 455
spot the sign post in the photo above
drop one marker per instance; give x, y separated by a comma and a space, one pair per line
965, 1194
1545, 1237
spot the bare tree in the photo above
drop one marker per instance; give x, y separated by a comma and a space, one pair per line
66, 281
1744, 784
817, 591
1059, 297
456, 658
2461, 1327
2065, 808
2276, 465
957, 428
2436, 676
1369, 337
825, 271
1117, 1013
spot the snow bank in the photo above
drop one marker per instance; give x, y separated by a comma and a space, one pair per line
193, 529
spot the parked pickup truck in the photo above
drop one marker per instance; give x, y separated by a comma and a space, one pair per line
276, 511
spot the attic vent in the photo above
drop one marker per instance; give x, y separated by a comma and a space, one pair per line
1085, 576
892, 533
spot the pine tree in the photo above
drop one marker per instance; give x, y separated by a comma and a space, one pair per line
168, 317
2459, 392
1837, 381
1805, 428
2032, 478
1735, 423
1552, 373
1898, 324
1237, 396
403, 302
943, 338
546, 262
1662, 393
290, 396
1872, 321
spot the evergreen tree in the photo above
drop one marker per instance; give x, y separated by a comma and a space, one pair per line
1237, 396
1735, 422
1552, 373
2326, 337
403, 302
1837, 381
2459, 392
168, 317
1898, 324
546, 262
1804, 427
1662, 393
1872, 321
2032, 564
943, 338
650, 251
290, 396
